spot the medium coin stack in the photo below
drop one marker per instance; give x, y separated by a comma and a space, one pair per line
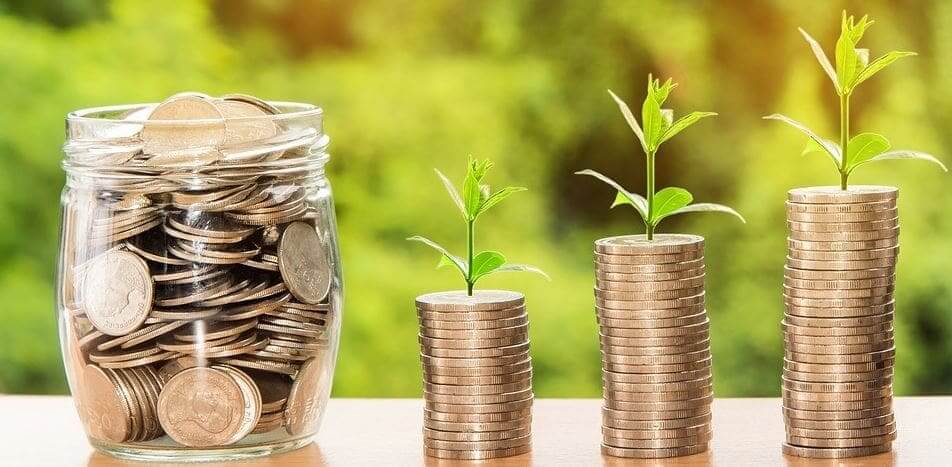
838, 321
197, 281
477, 374
654, 333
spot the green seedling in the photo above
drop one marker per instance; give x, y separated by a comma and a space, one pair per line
657, 126
475, 200
852, 68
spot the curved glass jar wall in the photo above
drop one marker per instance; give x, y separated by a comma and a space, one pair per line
199, 283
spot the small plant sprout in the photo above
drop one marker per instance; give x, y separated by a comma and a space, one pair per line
475, 200
852, 68
657, 126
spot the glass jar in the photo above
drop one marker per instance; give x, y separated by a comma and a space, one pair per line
199, 279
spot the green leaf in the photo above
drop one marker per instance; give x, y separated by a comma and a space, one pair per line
522, 268
454, 194
822, 58
630, 118
877, 65
901, 154
498, 196
454, 260
652, 121
864, 147
709, 207
848, 59
635, 200
472, 196
486, 262
668, 200
683, 123
829, 147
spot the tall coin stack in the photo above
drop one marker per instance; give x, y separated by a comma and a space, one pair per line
654, 333
838, 321
477, 374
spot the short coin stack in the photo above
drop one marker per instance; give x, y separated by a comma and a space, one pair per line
477, 374
655, 344
838, 321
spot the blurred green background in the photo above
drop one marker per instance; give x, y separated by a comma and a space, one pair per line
408, 86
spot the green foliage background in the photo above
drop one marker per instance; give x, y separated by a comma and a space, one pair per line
408, 86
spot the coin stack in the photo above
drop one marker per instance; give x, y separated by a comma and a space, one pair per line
197, 278
477, 374
838, 321
654, 333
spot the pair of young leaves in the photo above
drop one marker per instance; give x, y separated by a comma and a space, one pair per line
476, 199
852, 68
658, 126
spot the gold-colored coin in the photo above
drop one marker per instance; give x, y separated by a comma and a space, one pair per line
191, 402
689, 265
479, 454
675, 359
459, 302
477, 427
657, 415
811, 377
303, 263
307, 398
840, 322
837, 367
640, 245
479, 408
655, 378
520, 320
483, 436
492, 316
504, 378
639, 305
835, 195
667, 341
842, 442
670, 433
474, 334
835, 453
843, 217
858, 274
648, 296
477, 353
514, 339
656, 332
669, 313
105, 409
609, 421
653, 453
476, 445
838, 415
518, 367
665, 350
690, 320
477, 399
842, 265
835, 405
519, 414
805, 245
659, 406
863, 255
864, 339
839, 284
837, 396
844, 294
857, 424
665, 396
657, 277
843, 236
833, 208
613, 386
450, 389
842, 433
839, 349
117, 292
649, 259
674, 284
658, 443
882, 355
839, 313
791, 329
473, 362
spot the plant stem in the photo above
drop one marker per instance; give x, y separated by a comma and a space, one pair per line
470, 230
650, 191
844, 137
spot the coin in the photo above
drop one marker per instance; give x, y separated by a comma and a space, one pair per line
840, 322
791, 329
478, 389
648, 259
835, 405
305, 402
842, 433
476, 427
842, 442
476, 445
858, 274
117, 292
107, 410
838, 415
835, 195
478, 454
251, 413
609, 421
670, 433
637, 453
477, 353
517, 367
613, 386
666, 341
455, 362
640, 245
657, 277
514, 339
689, 265
303, 264
645, 296
638, 305
202, 407
837, 396
876, 220
474, 333
689, 320
814, 377
483, 436
839, 284
844, 236
665, 396
841, 208
656, 332
504, 378
834, 453
459, 302
658, 406
492, 316
838, 349
657, 415
518, 414
660, 350
479, 408
657, 443
520, 320
477, 399
857, 424
161, 134
888, 262
674, 359
669, 313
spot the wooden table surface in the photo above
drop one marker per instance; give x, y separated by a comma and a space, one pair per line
387, 432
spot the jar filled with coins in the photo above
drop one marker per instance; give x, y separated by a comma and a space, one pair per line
199, 284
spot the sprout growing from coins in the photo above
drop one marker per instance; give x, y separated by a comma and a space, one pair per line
476, 199
852, 68
657, 126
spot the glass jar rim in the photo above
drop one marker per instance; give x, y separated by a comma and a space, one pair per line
113, 114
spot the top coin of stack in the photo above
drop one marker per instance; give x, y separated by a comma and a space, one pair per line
477, 374
838, 321
656, 360
198, 280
